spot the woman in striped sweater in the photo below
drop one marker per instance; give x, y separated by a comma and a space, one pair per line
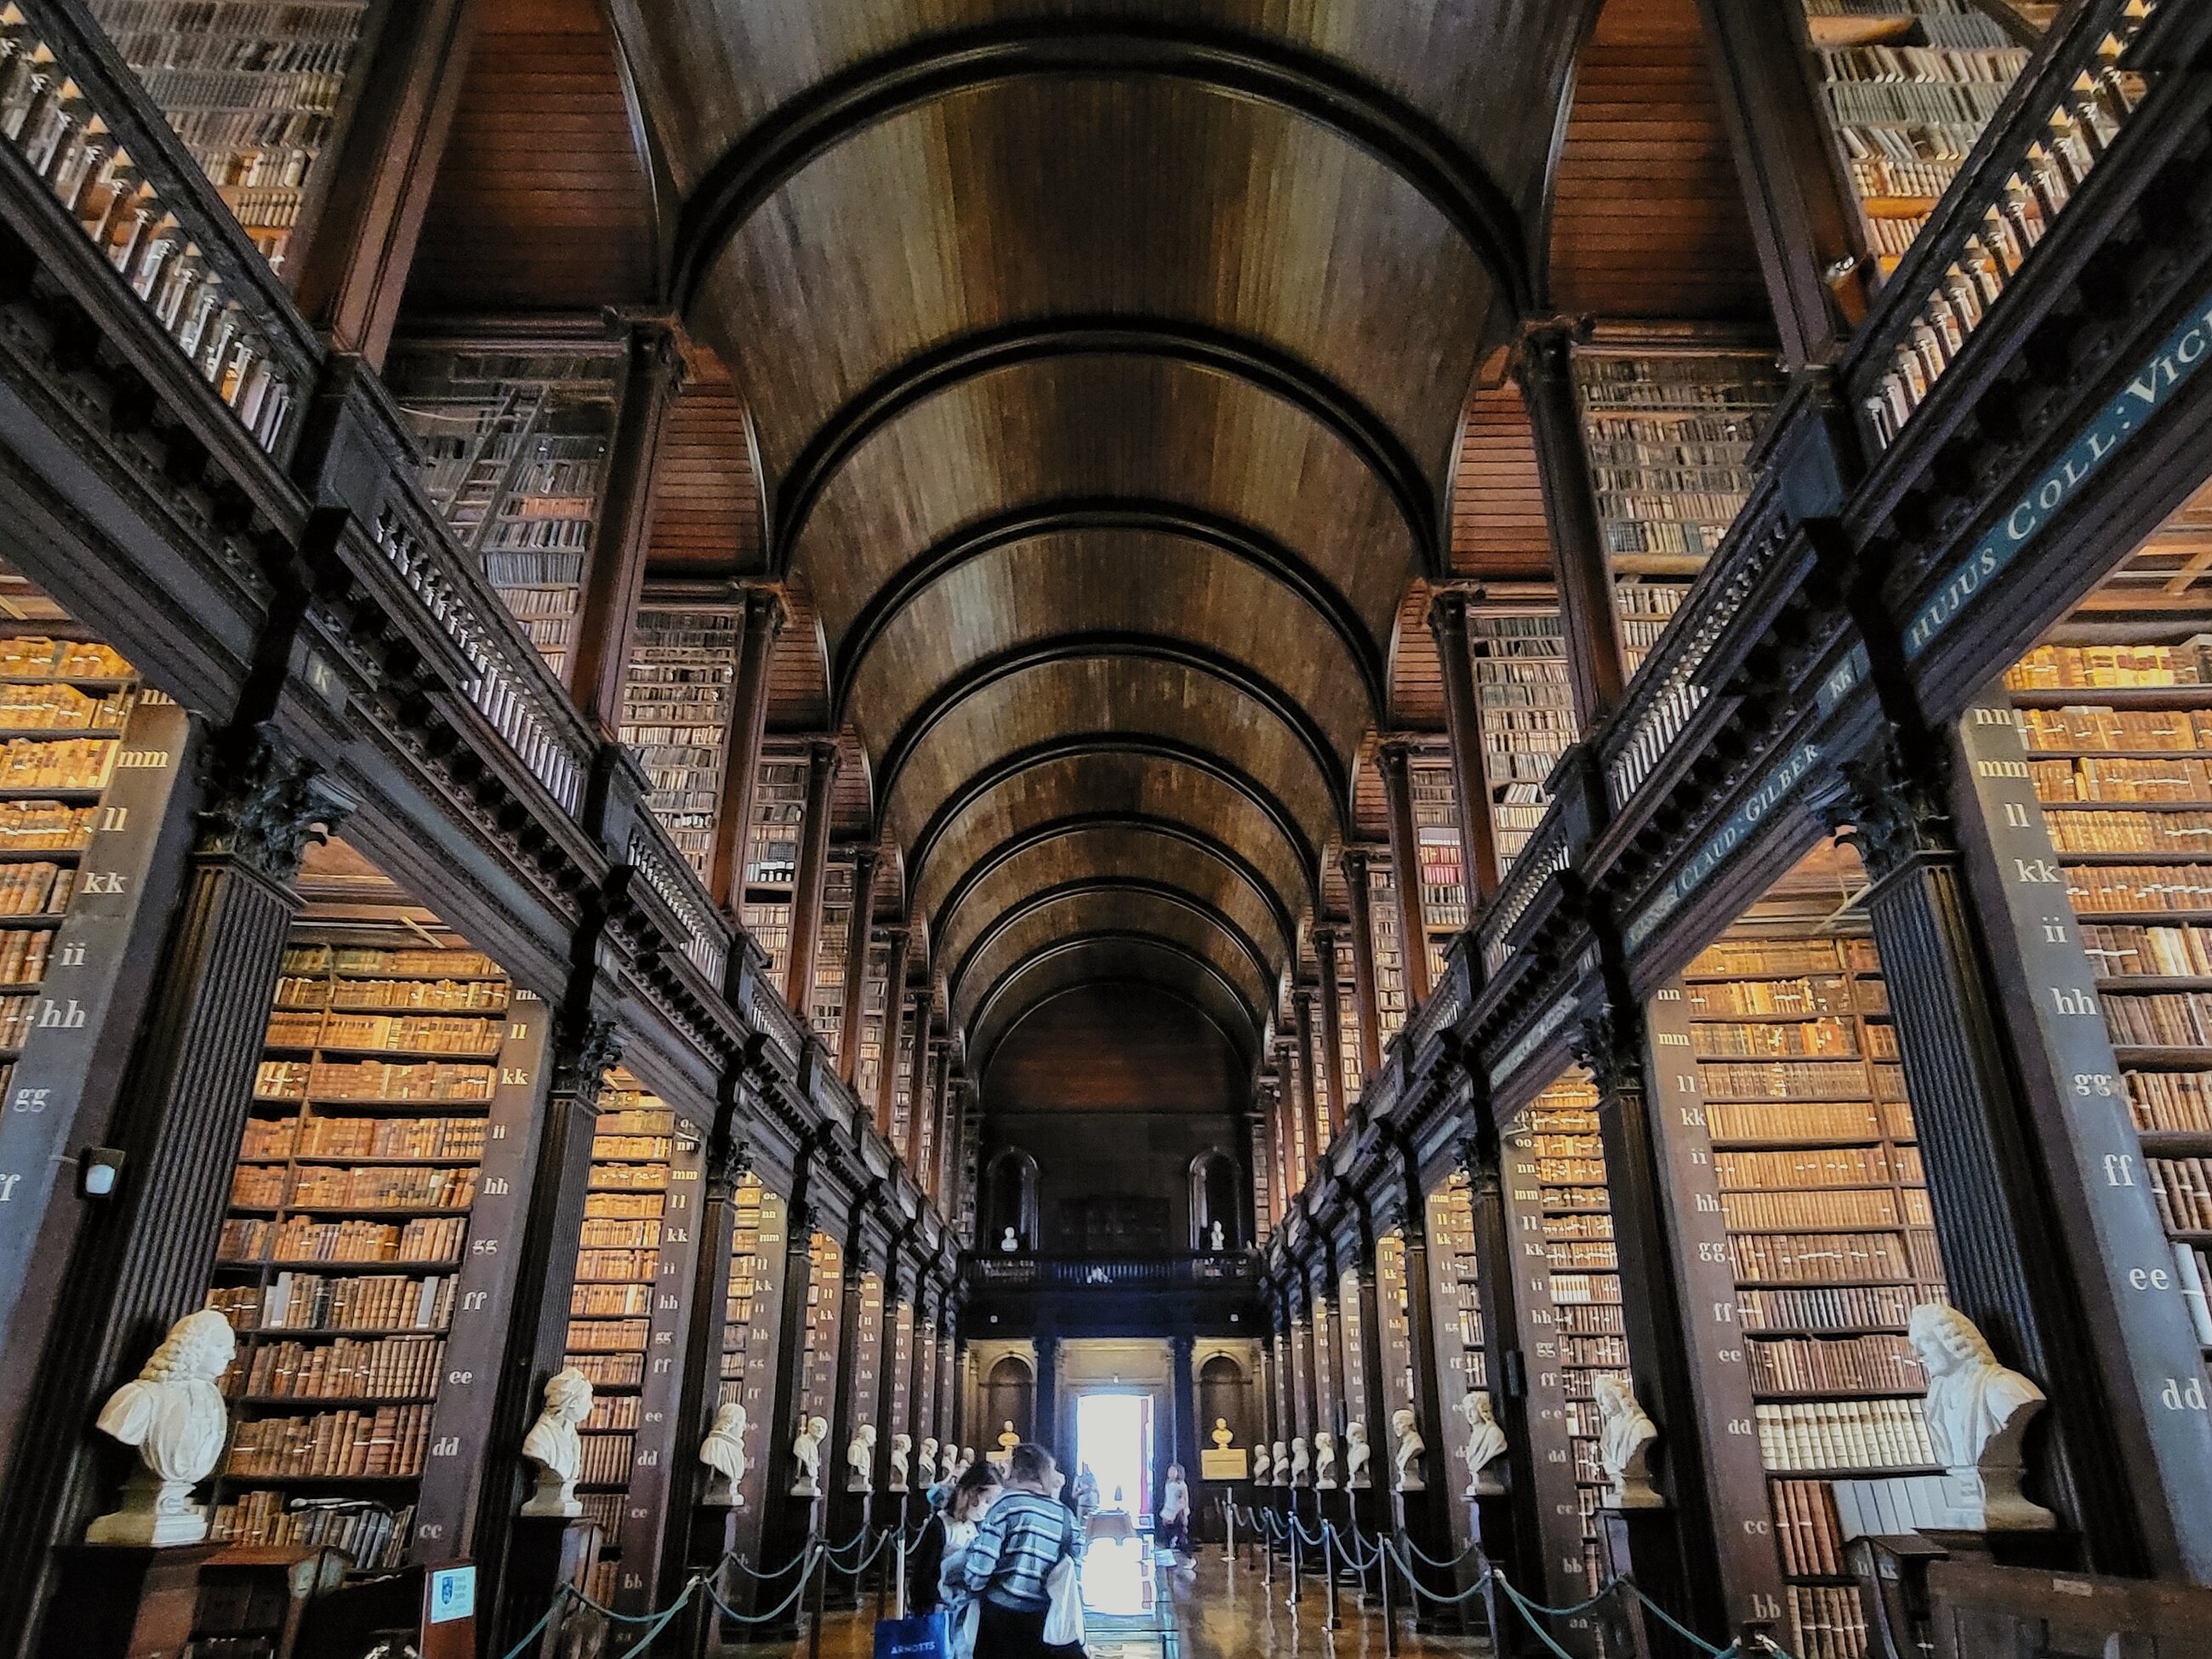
1027, 1533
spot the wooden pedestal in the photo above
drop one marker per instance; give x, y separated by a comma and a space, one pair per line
546, 1552
122, 1601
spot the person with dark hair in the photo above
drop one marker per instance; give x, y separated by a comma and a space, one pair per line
1027, 1532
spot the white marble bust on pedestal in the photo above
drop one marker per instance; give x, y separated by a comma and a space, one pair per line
552, 1445
1410, 1456
724, 1452
1977, 1412
1301, 1462
1282, 1463
807, 1457
1324, 1464
1625, 1434
1357, 1454
902, 1457
860, 1459
1486, 1444
925, 1469
1262, 1471
174, 1414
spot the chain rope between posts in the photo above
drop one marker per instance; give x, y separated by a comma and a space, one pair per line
774, 1613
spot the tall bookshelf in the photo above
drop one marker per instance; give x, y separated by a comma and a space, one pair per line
1437, 844
1520, 660
1829, 1231
676, 718
251, 88
1670, 435
1455, 1284
2120, 742
345, 1251
1393, 999
779, 816
1351, 1078
828, 1011
514, 446
1585, 1276
818, 1337
1905, 87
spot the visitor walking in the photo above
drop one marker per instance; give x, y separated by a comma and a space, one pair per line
940, 1559
1027, 1533
1175, 1513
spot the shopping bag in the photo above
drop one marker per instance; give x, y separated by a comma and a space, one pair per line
1063, 1620
922, 1636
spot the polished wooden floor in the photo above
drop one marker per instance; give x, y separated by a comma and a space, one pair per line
1140, 1609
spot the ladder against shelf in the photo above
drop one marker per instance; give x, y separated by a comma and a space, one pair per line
514, 442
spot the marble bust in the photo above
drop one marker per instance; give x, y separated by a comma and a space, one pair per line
724, 1452
1977, 1412
807, 1457
1282, 1463
1324, 1463
1410, 1459
174, 1414
902, 1456
1486, 1444
1625, 1433
553, 1446
1008, 1243
860, 1459
1357, 1454
1217, 1237
1221, 1437
926, 1461
1301, 1462
1262, 1473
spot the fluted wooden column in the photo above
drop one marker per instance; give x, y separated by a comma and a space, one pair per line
893, 1022
1366, 1001
1478, 828
1396, 759
1313, 1092
822, 760
615, 574
741, 745
917, 1079
1288, 1176
1544, 366
857, 932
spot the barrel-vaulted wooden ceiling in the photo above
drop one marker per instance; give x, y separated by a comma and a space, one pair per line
1107, 367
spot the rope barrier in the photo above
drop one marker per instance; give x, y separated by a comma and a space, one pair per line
774, 1613
804, 1550
1313, 1542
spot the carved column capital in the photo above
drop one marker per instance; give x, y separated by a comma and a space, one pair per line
1354, 861
1448, 611
1546, 347
582, 1058
762, 609
1893, 806
1606, 1048
825, 754
1393, 756
264, 806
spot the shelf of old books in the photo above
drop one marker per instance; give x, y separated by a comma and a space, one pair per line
1906, 87
253, 90
1351, 1076
772, 854
874, 996
1562, 1135
625, 1311
1670, 433
1826, 1213
1437, 844
514, 442
1454, 1287
1527, 715
1393, 1000
819, 1334
676, 716
360, 1258
2116, 711
827, 1015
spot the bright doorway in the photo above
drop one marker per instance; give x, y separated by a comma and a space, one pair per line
1114, 1440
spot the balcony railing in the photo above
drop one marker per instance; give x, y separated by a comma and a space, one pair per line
1228, 1269
766, 1013
72, 112
677, 886
2054, 127
1543, 857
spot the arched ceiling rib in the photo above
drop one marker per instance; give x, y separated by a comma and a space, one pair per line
1105, 372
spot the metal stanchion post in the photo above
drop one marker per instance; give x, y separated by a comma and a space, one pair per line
1294, 1553
1328, 1570
821, 1601
1382, 1579
1267, 1557
1229, 1506
898, 1549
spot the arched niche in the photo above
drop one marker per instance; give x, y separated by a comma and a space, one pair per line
1225, 1394
1010, 1202
1009, 1396
1217, 1195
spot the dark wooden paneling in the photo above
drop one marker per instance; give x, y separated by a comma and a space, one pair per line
543, 202
1648, 217
1497, 530
1112, 1049
706, 511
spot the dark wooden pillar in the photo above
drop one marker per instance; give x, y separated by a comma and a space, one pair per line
145, 1262
917, 1076
1544, 366
943, 1158
857, 935
1396, 758
1366, 1002
1478, 830
1330, 996
1183, 1430
786, 1520
822, 760
585, 1049
1798, 216
616, 573
741, 745
2004, 1242
1665, 1375
893, 1022
1286, 1136
1044, 1424
356, 244
1314, 1089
